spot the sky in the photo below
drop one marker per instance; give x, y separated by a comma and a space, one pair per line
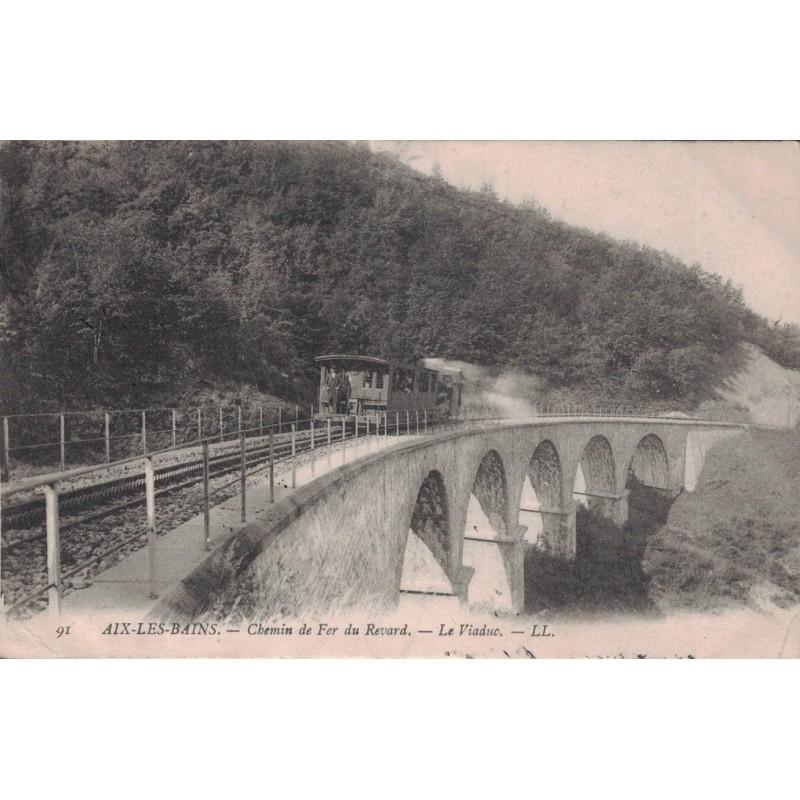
733, 207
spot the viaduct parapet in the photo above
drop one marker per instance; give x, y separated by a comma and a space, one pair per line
428, 516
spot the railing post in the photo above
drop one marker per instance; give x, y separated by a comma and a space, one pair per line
206, 506
355, 426
311, 430
408, 423
6, 446
243, 474
344, 439
199, 425
397, 424
296, 415
416, 414
329, 441
280, 424
271, 464
62, 442
425, 419
144, 432
221, 434
150, 496
239, 419
294, 455
108, 437
53, 551
174, 428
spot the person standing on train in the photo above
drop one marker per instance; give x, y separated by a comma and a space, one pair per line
338, 390
344, 392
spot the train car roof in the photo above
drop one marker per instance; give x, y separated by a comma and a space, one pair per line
367, 359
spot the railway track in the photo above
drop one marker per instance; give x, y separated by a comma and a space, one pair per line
89, 548
111, 495
115, 494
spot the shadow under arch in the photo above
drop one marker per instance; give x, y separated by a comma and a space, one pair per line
486, 540
546, 475
542, 490
649, 464
649, 495
594, 485
596, 468
424, 563
490, 492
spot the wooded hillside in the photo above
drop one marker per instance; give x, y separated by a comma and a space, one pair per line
131, 272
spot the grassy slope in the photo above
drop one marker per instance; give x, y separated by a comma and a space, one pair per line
736, 539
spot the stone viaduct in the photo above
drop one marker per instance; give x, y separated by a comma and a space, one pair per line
428, 515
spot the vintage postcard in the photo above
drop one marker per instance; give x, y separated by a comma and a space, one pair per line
400, 399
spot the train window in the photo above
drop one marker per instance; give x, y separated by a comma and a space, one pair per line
374, 379
424, 381
403, 380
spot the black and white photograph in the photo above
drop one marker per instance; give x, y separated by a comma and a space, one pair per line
402, 399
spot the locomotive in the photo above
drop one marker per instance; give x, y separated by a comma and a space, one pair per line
367, 387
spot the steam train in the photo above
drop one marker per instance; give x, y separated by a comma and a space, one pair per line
373, 386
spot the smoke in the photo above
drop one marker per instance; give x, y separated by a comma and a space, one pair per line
510, 392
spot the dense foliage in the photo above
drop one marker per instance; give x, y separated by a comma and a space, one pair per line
133, 271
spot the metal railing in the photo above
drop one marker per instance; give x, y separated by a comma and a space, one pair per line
257, 450
254, 450
661, 411
60, 439
96, 437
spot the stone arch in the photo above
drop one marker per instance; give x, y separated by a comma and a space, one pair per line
650, 463
486, 549
423, 567
490, 490
597, 466
595, 483
430, 520
542, 493
546, 477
